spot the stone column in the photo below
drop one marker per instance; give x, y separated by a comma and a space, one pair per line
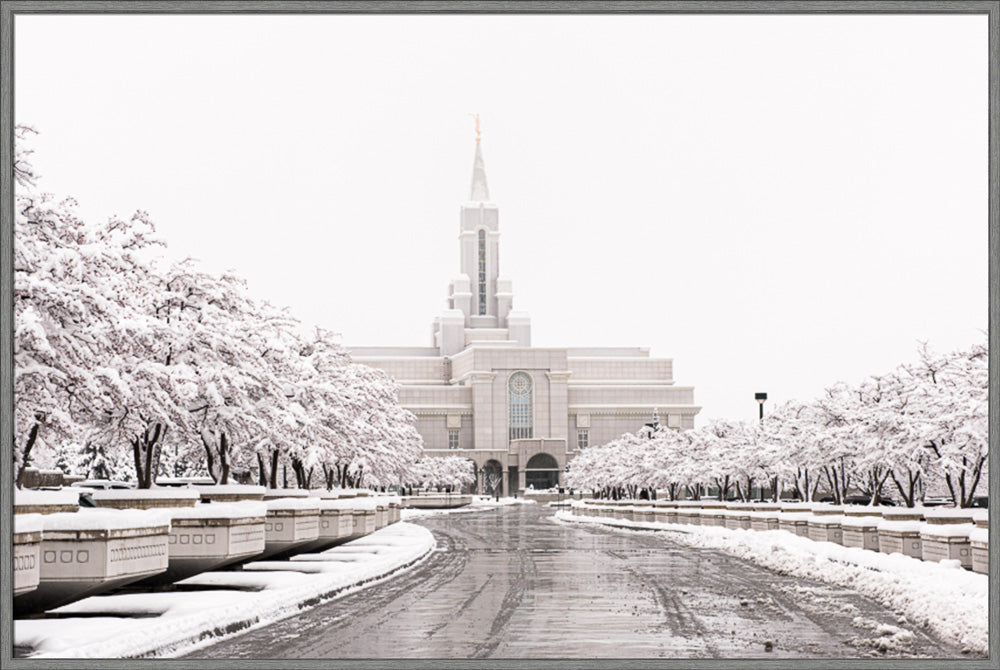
558, 404
482, 409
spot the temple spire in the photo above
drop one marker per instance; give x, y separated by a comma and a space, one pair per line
479, 192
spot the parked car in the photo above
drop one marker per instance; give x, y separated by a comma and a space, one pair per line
185, 481
937, 501
102, 484
866, 500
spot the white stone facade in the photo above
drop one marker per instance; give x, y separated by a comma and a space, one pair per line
469, 401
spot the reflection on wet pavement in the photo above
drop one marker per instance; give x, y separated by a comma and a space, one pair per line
511, 583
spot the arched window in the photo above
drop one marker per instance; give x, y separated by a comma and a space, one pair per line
482, 272
519, 395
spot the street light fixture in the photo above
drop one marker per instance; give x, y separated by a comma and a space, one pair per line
760, 398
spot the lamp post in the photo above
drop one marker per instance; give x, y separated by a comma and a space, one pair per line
760, 398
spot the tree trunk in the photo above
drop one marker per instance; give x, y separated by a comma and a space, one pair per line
217, 448
223, 459
977, 474
723, 486
26, 456
145, 454
815, 488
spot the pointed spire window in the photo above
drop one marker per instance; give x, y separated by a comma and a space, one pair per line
482, 272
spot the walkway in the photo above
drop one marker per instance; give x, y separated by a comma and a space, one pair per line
511, 583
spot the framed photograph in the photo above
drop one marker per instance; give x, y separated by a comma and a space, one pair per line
712, 296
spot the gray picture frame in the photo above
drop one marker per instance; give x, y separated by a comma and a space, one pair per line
9, 9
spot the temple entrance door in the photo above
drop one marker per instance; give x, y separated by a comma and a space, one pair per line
541, 472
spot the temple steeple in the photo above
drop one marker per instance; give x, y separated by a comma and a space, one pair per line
479, 192
480, 301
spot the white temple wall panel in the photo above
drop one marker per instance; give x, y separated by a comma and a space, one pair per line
630, 395
621, 369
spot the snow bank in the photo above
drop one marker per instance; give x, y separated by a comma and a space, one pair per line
948, 515
90, 518
155, 493
218, 510
27, 523
764, 515
478, 504
941, 596
979, 535
861, 521
323, 494
286, 504
826, 507
184, 621
798, 506
350, 504
903, 513
354, 492
826, 519
279, 494
947, 529
901, 526
228, 489
65, 496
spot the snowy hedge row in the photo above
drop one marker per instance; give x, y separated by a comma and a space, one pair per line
920, 426
132, 366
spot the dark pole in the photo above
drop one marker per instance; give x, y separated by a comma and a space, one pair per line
760, 398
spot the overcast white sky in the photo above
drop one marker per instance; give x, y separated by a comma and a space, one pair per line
776, 202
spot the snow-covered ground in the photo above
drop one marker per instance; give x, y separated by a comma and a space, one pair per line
942, 597
478, 504
225, 603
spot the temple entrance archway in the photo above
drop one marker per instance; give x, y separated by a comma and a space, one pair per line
492, 477
541, 472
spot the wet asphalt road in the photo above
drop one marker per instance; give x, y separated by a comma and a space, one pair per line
511, 583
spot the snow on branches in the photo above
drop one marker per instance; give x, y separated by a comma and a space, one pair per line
444, 471
920, 425
122, 357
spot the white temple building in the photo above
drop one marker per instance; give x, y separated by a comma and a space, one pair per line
519, 412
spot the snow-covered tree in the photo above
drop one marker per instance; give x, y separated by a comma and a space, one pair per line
66, 323
949, 410
119, 351
441, 471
